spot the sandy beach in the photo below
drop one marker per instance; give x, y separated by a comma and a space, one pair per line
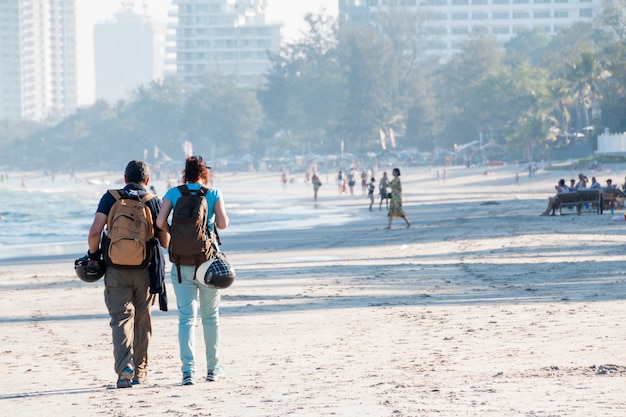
482, 308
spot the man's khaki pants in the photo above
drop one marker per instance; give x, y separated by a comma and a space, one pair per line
129, 302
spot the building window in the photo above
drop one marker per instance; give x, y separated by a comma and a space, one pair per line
460, 2
479, 2
437, 16
500, 15
459, 16
436, 45
585, 12
521, 15
459, 31
500, 30
542, 15
500, 1
563, 14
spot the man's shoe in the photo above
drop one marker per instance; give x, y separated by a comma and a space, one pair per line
141, 377
213, 374
125, 379
188, 378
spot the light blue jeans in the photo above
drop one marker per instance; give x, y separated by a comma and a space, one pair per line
188, 294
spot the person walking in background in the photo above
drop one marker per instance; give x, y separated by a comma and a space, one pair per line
371, 187
283, 179
316, 185
395, 206
127, 290
189, 293
340, 182
383, 185
351, 180
363, 181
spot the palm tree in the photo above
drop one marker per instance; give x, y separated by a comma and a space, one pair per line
583, 78
533, 129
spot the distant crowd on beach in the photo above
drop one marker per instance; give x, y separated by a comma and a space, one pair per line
389, 189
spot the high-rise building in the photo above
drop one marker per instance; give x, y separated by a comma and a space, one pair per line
229, 39
449, 22
37, 59
126, 55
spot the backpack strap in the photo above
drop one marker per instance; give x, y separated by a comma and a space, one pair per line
184, 190
147, 197
117, 194
217, 236
180, 280
197, 265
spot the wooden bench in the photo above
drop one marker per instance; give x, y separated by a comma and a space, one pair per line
588, 200
569, 200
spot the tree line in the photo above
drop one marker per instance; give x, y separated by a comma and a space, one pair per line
340, 88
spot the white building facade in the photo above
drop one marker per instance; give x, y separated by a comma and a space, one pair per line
451, 21
126, 54
228, 39
37, 59
611, 143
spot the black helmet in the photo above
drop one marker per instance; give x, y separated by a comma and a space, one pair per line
89, 273
216, 273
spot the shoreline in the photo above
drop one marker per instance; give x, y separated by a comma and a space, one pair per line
464, 192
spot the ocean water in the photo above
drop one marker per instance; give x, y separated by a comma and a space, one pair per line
52, 217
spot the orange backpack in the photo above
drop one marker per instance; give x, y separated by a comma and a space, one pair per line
129, 227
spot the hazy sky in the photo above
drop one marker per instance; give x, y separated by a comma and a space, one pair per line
89, 12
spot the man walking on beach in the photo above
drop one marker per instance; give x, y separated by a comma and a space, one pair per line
127, 292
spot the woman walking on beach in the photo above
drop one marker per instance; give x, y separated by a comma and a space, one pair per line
189, 293
316, 185
395, 206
